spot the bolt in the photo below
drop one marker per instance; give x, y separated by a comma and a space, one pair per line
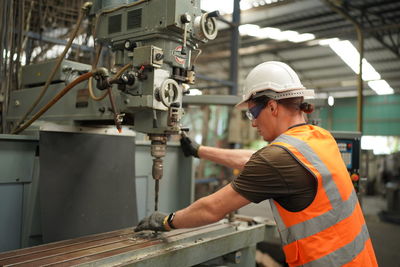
17, 103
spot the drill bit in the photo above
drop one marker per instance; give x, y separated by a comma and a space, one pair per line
157, 185
157, 174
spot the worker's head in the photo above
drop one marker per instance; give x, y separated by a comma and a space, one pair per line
274, 96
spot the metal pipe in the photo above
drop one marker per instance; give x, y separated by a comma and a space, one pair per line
235, 44
360, 39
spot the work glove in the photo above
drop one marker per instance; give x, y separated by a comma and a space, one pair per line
189, 147
154, 222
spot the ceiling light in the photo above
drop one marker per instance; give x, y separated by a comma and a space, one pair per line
381, 87
328, 41
245, 5
369, 72
249, 29
349, 54
224, 7
286, 35
269, 32
331, 100
302, 37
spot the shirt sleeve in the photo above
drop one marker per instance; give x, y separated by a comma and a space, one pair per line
259, 180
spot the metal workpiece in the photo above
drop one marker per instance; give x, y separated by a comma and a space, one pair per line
178, 248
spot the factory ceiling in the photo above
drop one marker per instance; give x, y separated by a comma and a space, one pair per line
48, 23
318, 65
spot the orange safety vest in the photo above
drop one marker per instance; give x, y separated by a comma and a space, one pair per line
331, 231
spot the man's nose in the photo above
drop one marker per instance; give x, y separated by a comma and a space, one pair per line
254, 123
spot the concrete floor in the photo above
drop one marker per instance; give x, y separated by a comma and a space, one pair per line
385, 236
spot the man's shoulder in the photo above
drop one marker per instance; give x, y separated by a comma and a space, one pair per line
271, 151
275, 155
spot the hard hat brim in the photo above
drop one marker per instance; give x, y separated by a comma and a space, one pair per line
306, 93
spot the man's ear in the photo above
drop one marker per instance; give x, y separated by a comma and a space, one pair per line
273, 107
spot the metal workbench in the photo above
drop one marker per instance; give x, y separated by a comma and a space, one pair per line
184, 247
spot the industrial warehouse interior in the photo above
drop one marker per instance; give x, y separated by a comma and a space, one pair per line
200, 133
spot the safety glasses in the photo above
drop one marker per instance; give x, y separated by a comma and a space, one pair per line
253, 112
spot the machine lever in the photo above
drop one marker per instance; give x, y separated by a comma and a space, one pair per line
213, 14
185, 18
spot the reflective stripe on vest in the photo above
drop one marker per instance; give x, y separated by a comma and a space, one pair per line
344, 254
340, 210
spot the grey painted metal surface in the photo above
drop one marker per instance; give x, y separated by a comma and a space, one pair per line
87, 184
16, 158
10, 216
67, 108
31, 231
38, 73
345, 134
20, 208
176, 185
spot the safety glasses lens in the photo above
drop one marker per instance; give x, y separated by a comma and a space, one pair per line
249, 115
253, 112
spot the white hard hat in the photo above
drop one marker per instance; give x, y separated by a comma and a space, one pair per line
274, 79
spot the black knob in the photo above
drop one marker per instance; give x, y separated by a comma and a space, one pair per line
159, 56
129, 45
176, 105
128, 78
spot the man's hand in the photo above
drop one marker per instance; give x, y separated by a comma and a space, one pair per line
153, 222
189, 147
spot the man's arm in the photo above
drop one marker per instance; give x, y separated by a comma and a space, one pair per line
204, 211
232, 158
210, 209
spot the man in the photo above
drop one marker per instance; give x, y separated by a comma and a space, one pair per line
301, 171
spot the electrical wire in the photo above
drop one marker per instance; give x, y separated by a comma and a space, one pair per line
197, 56
90, 82
84, 10
91, 93
112, 80
55, 99
59, 95
119, 73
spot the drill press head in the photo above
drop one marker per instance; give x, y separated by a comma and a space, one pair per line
158, 38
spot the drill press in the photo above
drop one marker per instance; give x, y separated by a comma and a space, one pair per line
157, 38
